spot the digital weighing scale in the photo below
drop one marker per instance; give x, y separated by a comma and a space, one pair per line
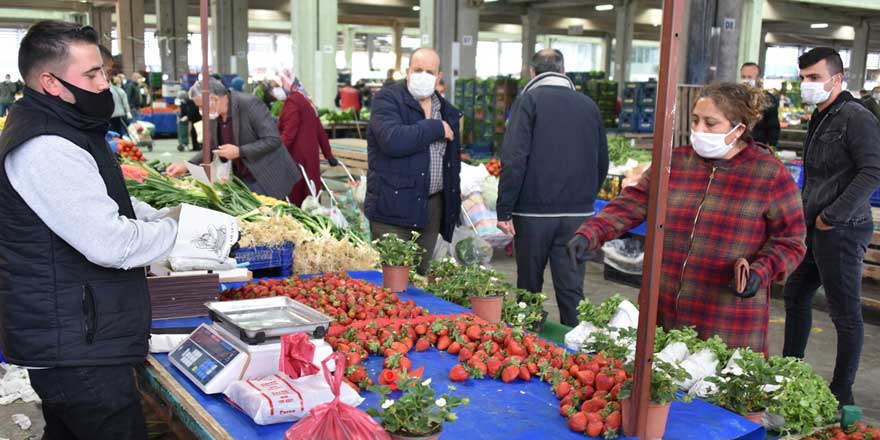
244, 340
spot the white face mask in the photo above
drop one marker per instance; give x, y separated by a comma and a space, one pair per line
212, 115
750, 82
877, 96
712, 145
814, 92
421, 85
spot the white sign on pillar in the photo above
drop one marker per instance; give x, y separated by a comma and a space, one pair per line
467, 40
426, 40
233, 65
729, 24
456, 56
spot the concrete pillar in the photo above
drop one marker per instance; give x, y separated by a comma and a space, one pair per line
396, 37
171, 21
859, 57
313, 31
229, 34
750, 36
700, 41
468, 34
623, 42
730, 20
130, 31
101, 18
529, 39
608, 40
444, 37
762, 53
426, 22
348, 44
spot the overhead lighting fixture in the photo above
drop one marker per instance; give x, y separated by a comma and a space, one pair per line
417, 8
819, 25
604, 7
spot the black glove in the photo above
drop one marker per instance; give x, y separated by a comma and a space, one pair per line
577, 249
333, 162
752, 286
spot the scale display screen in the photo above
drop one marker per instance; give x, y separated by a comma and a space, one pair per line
204, 354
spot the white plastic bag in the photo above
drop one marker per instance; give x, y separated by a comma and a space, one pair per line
575, 339
674, 353
490, 192
204, 234
626, 255
278, 398
702, 389
699, 365
471, 178
627, 316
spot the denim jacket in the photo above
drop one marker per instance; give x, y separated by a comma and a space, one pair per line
841, 164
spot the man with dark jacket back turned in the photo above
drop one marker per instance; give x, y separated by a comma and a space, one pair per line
74, 305
554, 160
413, 157
841, 171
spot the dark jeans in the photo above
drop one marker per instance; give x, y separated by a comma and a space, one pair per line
4, 109
833, 260
539, 239
90, 403
428, 236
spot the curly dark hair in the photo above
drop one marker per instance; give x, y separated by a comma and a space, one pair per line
740, 103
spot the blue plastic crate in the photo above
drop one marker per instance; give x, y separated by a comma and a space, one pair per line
632, 92
645, 123
875, 198
797, 173
265, 257
627, 120
648, 94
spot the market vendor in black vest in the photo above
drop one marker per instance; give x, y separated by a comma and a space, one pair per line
74, 305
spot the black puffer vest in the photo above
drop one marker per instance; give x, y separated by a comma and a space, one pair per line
56, 307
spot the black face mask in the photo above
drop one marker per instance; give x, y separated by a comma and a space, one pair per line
97, 105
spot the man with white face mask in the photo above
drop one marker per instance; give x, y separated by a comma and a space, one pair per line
244, 133
767, 130
841, 171
413, 156
870, 102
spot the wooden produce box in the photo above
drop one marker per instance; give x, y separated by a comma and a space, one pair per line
182, 296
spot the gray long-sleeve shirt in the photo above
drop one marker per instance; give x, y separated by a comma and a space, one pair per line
61, 183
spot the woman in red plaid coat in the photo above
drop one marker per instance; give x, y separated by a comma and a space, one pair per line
728, 198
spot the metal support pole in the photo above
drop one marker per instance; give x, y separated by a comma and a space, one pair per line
206, 90
670, 48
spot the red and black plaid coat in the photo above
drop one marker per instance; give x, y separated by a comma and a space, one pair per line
717, 211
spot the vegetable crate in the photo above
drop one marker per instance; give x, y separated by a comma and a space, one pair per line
277, 259
628, 120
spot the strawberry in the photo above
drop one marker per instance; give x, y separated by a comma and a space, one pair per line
620, 375
494, 366
562, 389
594, 429
524, 373
515, 349
566, 410
454, 348
423, 344
509, 373
613, 420
577, 422
604, 382
458, 373
474, 332
443, 343
418, 372
586, 377
464, 354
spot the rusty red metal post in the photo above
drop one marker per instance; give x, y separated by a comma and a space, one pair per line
660, 162
206, 90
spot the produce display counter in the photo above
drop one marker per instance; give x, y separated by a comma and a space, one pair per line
166, 123
518, 410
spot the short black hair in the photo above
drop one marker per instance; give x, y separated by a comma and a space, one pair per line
831, 57
105, 53
548, 60
48, 41
750, 64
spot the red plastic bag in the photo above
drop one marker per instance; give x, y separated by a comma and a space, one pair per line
336, 420
297, 353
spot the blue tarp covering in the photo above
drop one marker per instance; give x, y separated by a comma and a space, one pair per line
517, 410
166, 123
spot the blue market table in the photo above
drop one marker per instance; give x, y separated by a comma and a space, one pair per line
165, 123
518, 410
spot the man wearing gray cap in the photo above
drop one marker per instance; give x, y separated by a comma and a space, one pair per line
246, 134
